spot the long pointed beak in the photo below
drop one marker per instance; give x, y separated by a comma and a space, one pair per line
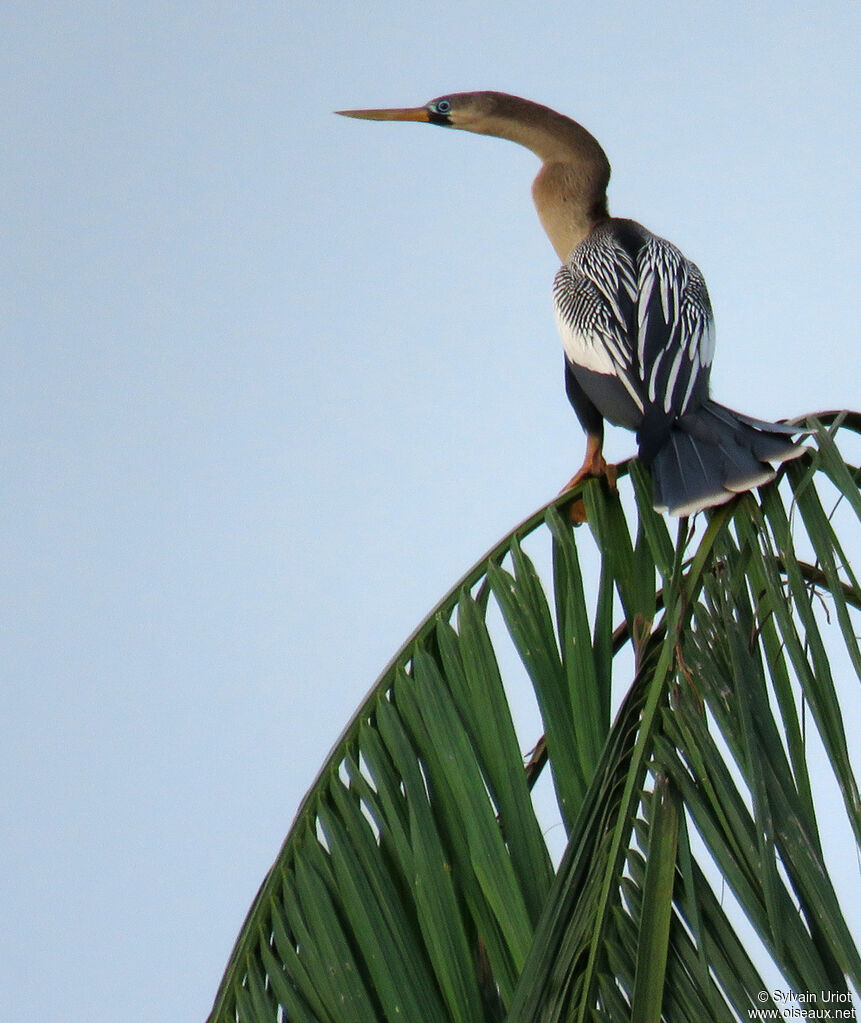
395, 114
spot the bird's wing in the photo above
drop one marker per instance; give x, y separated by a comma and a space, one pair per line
674, 328
637, 309
594, 295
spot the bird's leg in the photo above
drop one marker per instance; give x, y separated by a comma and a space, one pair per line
594, 464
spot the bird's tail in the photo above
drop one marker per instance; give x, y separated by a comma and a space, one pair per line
713, 454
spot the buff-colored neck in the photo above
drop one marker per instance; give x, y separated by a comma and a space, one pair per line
570, 191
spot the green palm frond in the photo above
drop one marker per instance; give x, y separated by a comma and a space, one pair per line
416, 883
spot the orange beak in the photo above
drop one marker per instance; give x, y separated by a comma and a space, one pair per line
396, 114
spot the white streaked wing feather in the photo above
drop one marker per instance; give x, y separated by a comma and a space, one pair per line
678, 327
664, 341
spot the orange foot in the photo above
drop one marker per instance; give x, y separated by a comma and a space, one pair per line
594, 466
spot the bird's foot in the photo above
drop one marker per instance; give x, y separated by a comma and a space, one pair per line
594, 467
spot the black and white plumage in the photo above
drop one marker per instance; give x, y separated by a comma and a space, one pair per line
637, 327
633, 312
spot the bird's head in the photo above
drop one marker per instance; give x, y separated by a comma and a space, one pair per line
551, 136
478, 112
570, 191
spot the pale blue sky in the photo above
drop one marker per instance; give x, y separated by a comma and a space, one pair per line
272, 380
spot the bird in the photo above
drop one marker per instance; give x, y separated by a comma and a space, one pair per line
633, 313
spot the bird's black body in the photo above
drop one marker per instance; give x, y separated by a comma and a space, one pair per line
636, 323
633, 312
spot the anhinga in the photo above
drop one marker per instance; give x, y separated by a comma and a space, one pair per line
633, 312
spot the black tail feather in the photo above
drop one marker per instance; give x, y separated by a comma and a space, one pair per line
715, 453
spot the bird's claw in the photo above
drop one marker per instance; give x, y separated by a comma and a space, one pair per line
594, 468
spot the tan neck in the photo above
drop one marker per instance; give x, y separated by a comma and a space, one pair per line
570, 191
569, 202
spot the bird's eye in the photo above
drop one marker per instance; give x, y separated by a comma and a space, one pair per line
442, 106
